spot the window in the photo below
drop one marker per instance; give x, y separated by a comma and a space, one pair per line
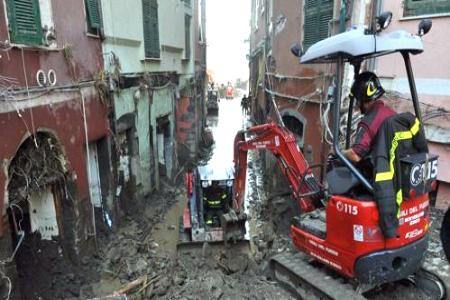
151, 29
94, 20
24, 21
425, 7
318, 14
187, 36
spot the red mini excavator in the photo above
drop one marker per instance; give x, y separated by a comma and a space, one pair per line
342, 226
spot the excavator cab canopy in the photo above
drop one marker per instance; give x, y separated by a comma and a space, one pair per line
358, 44
354, 46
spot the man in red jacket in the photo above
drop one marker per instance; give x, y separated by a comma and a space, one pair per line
368, 91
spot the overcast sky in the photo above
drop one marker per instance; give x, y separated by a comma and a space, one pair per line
227, 26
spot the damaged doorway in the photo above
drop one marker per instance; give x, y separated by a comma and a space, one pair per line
164, 146
41, 214
128, 152
100, 182
295, 122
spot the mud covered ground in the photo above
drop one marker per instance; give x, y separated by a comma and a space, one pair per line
144, 249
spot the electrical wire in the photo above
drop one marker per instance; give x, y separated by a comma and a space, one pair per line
3, 275
301, 99
88, 168
28, 94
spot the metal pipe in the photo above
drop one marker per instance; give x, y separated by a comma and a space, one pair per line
356, 68
336, 119
343, 13
412, 85
349, 122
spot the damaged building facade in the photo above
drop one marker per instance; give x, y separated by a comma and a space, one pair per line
150, 50
55, 138
96, 107
303, 93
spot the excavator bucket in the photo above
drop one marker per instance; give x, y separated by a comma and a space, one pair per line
233, 226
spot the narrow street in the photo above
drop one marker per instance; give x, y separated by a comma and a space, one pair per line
145, 247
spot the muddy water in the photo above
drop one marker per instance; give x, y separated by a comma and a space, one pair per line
166, 234
224, 128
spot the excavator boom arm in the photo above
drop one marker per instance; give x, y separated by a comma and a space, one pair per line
281, 142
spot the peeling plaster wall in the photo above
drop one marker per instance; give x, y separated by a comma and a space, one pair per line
163, 104
65, 120
124, 103
186, 128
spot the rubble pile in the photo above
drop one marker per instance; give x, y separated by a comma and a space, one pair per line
134, 264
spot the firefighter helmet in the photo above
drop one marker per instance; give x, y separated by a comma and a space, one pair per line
367, 87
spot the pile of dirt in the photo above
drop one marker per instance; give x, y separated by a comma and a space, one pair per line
435, 260
135, 263
223, 274
131, 254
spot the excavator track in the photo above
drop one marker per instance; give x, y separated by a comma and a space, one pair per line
430, 283
308, 282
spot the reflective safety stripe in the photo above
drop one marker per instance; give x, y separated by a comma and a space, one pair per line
389, 175
399, 200
383, 176
416, 127
401, 135
214, 202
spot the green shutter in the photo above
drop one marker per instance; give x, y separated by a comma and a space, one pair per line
425, 7
93, 14
318, 14
24, 21
187, 36
151, 29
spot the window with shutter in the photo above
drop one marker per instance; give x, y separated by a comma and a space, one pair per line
151, 28
425, 7
94, 20
317, 15
187, 36
24, 21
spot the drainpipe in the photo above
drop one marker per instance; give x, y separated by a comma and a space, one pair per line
342, 15
93, 234
113, 152
375, 11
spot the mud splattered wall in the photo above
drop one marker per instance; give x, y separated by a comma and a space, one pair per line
136, 102
187, 121
163, 108
65, 121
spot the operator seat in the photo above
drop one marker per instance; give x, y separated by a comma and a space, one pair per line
341, 180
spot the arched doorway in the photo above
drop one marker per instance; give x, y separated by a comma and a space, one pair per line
40, 209
296, 123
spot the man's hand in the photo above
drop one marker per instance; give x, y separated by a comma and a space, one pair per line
351, 155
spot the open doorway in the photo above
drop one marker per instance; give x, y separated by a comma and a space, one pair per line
296, 124
164, 146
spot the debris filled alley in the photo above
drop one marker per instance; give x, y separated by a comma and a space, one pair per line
195, 149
